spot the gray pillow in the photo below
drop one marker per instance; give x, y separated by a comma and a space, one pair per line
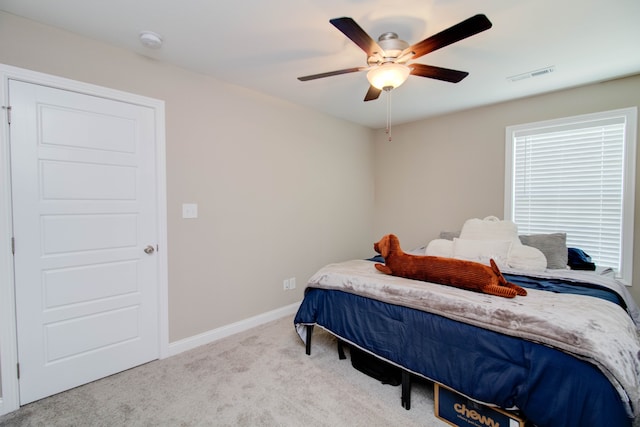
449, 235
553, 246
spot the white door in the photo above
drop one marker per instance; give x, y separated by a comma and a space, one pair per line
84, 209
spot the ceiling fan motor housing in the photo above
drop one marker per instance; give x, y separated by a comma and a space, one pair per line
392, 47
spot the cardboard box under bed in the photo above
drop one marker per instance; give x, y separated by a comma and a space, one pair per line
460, 411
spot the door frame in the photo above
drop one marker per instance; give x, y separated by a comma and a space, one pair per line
10, 395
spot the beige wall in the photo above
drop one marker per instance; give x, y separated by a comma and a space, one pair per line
282, 190
437, 173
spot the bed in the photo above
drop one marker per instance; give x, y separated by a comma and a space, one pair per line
567, 354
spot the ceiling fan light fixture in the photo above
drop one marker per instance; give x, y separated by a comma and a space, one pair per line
388, 76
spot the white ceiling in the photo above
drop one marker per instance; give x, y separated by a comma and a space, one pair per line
265, 44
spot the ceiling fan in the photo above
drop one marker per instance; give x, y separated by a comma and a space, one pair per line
387, 60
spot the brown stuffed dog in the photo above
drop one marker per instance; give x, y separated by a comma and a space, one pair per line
447, 271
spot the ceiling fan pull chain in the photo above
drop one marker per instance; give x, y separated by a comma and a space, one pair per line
388, 130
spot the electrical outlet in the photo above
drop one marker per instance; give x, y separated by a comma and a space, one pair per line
288, 284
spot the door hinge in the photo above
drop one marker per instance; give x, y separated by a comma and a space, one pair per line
18, 369
13, 245
8, 113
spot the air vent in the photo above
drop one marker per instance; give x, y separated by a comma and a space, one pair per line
535, 73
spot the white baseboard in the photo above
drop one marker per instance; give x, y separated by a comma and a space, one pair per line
190, 343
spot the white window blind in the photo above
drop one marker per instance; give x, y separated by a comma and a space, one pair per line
571, 176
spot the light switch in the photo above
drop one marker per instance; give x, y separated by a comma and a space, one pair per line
189, 210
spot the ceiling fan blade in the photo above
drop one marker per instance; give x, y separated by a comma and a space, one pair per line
467, 28
331, 73
351, 29
372, 94
446, 74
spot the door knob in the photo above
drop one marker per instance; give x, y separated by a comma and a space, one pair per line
149, 250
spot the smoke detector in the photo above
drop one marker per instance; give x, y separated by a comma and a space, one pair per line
150, 39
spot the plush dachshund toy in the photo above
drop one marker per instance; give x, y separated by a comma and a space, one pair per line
447, 271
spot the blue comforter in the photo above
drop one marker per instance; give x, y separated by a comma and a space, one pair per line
562, 286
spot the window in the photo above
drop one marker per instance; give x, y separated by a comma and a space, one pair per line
576, 175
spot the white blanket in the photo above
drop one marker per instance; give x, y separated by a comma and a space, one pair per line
589, 328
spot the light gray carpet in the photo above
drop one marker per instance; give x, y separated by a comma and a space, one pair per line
260, 377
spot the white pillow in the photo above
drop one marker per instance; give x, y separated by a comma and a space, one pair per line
527, 258
482, 250
490, 228
440, 247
